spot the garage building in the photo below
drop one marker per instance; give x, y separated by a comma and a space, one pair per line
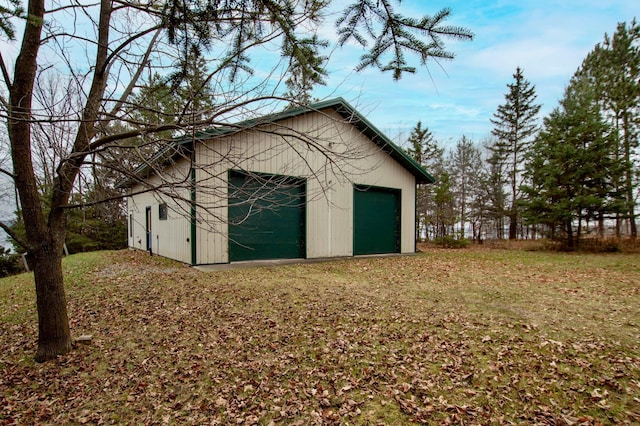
310, 182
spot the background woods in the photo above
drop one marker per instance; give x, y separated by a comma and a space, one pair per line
566, 176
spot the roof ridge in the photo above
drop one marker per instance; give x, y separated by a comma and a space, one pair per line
339, 104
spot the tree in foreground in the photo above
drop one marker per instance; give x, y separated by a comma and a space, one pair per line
515, 124
126, 40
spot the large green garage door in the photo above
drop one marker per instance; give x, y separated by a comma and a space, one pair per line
376, 220
266, 217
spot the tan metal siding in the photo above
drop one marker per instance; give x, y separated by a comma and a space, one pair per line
329, 180
375, 167
212, 163
135, 236
171, 237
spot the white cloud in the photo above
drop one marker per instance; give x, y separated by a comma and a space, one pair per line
547, 39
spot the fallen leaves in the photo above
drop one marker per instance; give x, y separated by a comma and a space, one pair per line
425, 339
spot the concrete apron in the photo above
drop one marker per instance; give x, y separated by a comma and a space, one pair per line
277, 262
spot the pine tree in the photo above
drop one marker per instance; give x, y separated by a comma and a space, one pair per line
480, 213
613, 67
444, 212
357, 24
496, 196
571, 167
303, 77
189, 86
424, 149
515, 124
11, 9
156, 102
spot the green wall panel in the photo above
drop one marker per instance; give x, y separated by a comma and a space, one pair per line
266, 217
376, 220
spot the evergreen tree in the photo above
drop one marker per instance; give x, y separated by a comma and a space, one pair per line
8, 11
444, 212
571, 166
304, 77
515, 124
192, 87
424, 149
185, 94
156, 102
613, 67
480, 214
398, 36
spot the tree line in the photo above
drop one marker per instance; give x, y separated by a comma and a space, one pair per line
574, 174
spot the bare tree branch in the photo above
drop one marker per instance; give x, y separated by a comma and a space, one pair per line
134, 79
14, 236
7, 173
5, 73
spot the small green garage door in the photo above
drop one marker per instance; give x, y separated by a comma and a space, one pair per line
376, 220
266, 217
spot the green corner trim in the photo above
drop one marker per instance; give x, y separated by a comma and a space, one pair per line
194, 257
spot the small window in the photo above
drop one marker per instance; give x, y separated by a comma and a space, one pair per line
162, 211
130, 225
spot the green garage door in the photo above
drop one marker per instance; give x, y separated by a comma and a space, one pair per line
376, 220
266, 217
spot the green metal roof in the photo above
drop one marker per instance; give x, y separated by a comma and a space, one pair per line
339, 105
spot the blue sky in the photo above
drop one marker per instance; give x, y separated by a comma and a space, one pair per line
547, 39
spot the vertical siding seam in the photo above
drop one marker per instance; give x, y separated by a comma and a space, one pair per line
194, 257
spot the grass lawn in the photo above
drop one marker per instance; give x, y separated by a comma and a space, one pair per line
470, 336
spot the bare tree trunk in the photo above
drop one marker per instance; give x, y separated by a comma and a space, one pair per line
617, 183
513, 225
633, 230
579, 231
44, 246
54, 336
600, 225
45, 237
628, 174
569, 228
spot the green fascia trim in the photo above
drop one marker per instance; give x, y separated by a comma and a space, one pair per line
339, 105
416, 221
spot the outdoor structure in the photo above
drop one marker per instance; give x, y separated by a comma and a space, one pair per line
313, 182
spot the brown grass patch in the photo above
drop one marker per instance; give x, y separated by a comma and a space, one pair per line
463, 337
